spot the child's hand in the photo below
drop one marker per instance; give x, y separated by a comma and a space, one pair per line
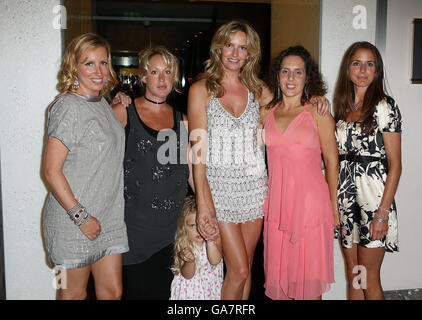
186, 255
212, 230
204, 217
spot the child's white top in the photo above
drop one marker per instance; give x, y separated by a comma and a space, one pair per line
206, 284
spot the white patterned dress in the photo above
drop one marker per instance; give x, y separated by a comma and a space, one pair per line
206, 284
361, 185
235, 169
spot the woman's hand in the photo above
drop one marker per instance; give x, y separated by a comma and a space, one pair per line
336, 220
207, 224
91, 229
336, 224
378, 230
322, 103
122, 98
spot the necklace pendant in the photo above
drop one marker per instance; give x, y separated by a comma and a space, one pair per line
356, 106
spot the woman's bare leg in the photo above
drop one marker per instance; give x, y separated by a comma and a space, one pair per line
107, 274
251, 231
354, 290
76, 282
236, 261
371, 259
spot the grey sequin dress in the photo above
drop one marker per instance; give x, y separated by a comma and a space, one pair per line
235, 169
94, 170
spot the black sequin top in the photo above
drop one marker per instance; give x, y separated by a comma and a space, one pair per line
155, 177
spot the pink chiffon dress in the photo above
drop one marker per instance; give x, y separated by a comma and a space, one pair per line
298, 221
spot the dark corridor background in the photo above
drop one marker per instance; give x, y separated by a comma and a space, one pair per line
185, 28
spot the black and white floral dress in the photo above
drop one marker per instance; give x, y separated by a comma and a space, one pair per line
361, 186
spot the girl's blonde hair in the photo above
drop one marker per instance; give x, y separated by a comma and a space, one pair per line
181, 239
68, 72
249, 73
170, 60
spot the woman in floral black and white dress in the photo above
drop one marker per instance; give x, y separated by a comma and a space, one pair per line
368, 132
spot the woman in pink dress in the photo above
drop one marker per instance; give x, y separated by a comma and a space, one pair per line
300, 207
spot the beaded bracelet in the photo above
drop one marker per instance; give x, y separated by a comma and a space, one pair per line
74, 209
76, 214
385, 210
380, 219
85, 218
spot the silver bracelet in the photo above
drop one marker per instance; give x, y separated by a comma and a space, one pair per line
78, 217
385, 210
380, 219
74, 209
85, 219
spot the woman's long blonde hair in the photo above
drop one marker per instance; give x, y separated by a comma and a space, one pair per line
68, 72
249, 74
181, 239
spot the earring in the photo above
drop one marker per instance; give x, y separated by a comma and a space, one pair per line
76, 84
278, 89
306, 93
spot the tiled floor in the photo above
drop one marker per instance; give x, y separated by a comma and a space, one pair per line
414, 294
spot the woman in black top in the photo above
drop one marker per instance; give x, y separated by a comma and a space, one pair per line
156, 174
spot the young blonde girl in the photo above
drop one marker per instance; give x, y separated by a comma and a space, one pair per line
198, 263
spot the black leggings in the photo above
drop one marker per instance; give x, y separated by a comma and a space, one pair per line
151, 279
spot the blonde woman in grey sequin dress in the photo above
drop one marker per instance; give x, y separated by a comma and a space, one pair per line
229, 171
84, 163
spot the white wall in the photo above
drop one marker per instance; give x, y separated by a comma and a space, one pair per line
337, 34
29, 59
401, 270
30, 50
404, 270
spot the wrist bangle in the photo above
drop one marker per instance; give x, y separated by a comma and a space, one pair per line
385, 210
74, 209
79, 215
380, 219
84, 220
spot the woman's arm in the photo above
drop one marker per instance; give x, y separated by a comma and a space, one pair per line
121, 113
326, 127
392, 144
190, 179
197, 103
266, 96
55, 156
263, 113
